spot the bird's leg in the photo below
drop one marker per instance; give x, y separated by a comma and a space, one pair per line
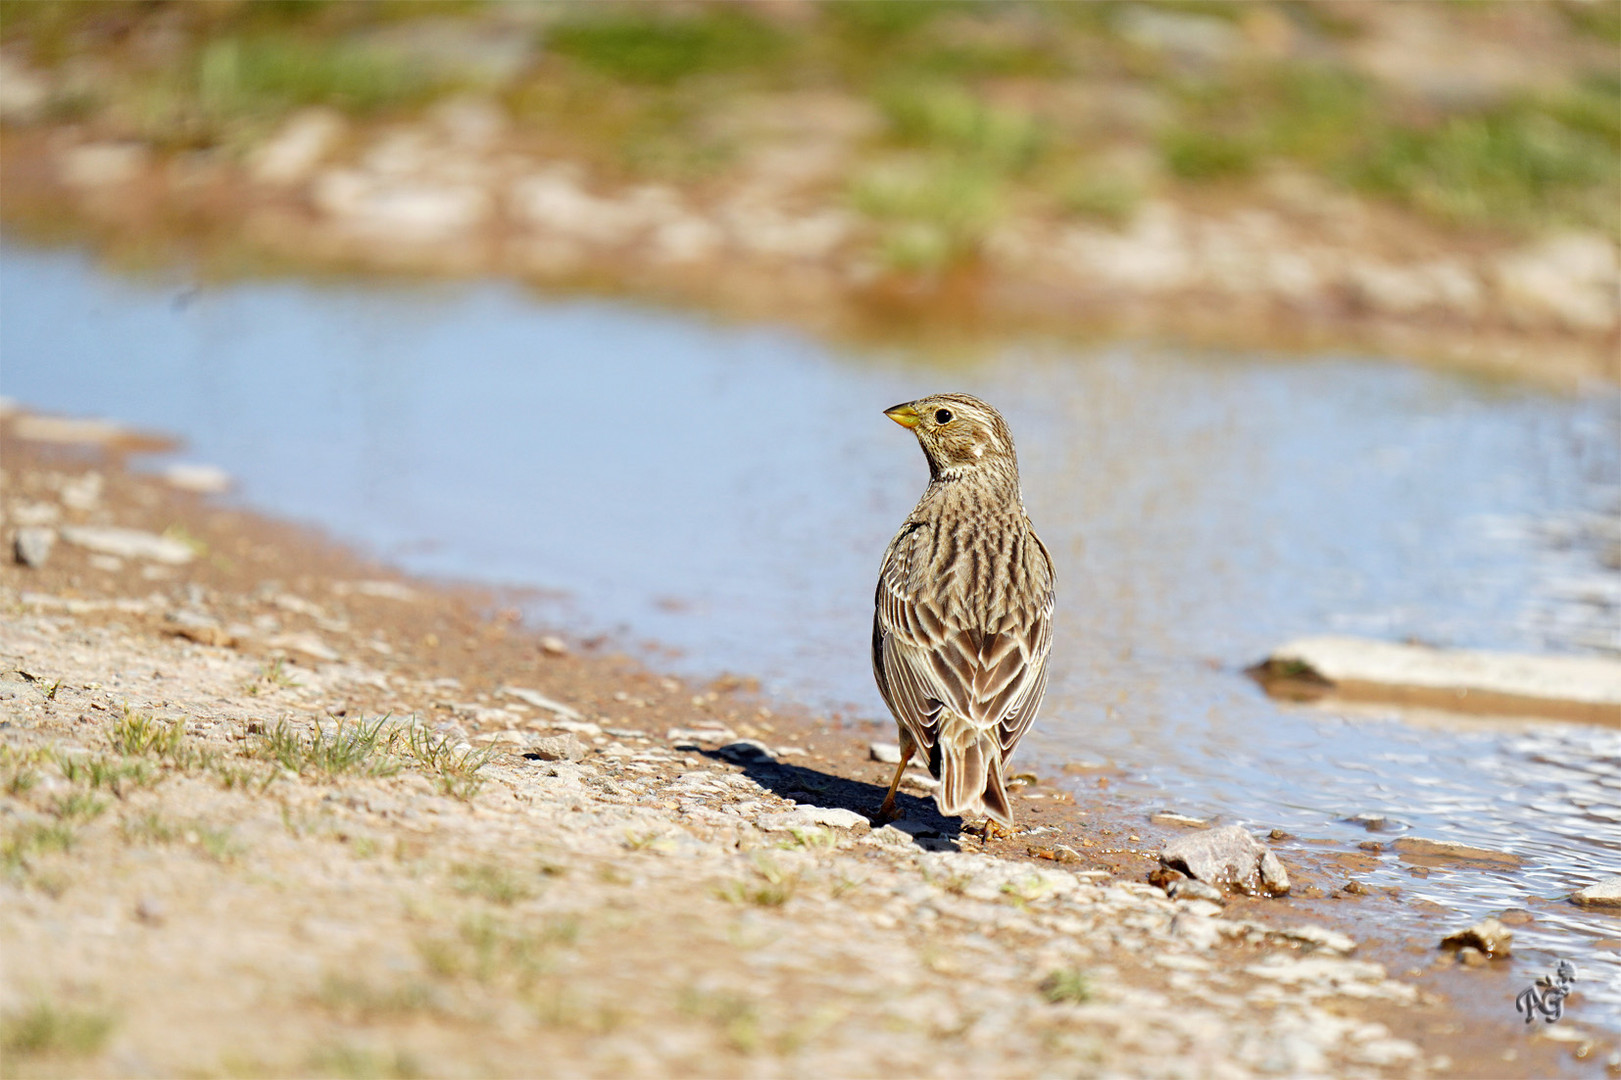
887, 811
995, 830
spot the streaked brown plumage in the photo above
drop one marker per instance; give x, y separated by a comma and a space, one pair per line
963, 613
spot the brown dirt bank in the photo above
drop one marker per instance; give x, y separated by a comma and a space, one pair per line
195, 881
1207, 272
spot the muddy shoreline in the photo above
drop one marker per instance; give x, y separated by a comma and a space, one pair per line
310, 632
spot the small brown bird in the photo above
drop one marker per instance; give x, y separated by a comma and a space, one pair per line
963, 619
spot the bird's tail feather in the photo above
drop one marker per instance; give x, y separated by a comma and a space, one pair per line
971, 782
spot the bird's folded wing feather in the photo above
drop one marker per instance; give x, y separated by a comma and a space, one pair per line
926, 659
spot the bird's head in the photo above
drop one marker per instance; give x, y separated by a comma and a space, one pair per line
959, 435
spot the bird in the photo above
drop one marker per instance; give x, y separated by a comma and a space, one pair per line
963, 613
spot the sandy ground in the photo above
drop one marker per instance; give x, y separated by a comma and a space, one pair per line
275, 811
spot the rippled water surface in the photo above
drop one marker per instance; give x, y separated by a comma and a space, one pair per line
729, 492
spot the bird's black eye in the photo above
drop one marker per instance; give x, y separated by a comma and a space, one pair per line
943, 416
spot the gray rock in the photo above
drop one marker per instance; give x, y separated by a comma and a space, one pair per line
1488, 935
1606, 893
565, 747
128, 543
747, 752
1229, 858
1190, 889
885, 753
198, 626
33, 544
1317, 937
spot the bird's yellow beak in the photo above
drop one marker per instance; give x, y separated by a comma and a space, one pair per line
904, 415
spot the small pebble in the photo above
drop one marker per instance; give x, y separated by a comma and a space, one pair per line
33, 544
885, 753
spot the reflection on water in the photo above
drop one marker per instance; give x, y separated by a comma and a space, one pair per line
730, 491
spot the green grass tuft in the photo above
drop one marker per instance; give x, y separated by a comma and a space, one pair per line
24, 842
456, 770
1067, 985
944, 116
492, 881
359, 749
44, 1030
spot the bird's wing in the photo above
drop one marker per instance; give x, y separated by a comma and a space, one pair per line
1035, 632
926, 660
901, 640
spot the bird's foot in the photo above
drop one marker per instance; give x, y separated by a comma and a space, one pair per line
889, 811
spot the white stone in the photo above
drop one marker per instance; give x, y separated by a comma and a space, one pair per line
128, 543
302, 143
202, 479
406, 210
1606, 893
810, 816
1573, 280
305, 643
541, 701
885, 753
58, 429
471, 123
107, 164
22, 92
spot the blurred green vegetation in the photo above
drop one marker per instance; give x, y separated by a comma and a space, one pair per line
646, 47
984, 108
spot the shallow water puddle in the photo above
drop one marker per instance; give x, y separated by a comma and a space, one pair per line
728, 492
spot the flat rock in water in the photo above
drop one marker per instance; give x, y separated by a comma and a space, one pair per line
1606, 893
128, 543
1488, 935
1418, 848
1581, 686
1229, 858
1171, 817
